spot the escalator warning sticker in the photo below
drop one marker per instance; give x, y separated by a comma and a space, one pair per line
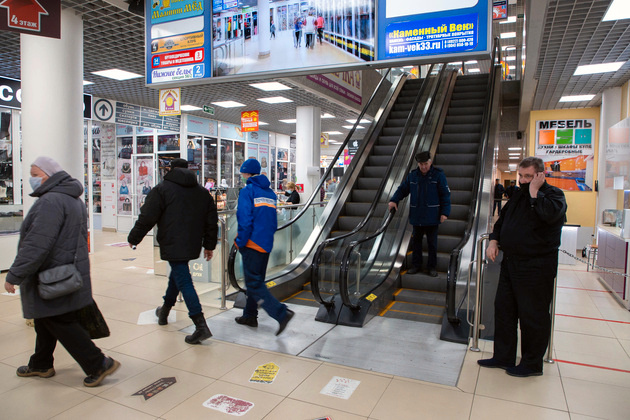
270, 284
371, 297
265, 374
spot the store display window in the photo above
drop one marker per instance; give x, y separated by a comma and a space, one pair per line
6, 158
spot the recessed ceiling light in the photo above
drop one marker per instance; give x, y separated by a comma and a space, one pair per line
598, 68
473, 70
576, 98
514, 157
510, 19
507, 171
189, 108
512, 166
293, 121
333, 132
512, 67
618, 9
270, 86
334, 142
326, 115
507, 35
510, 58
117, 74
228, 104
275, 100
262, 123
349, 127
471, 62
85, 83
515, 148
508, 47
363, 121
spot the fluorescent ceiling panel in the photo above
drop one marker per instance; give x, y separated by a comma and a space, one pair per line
293, 121
473, 70
349, 127
619, 9
576, 98
333, 132
327, 115
363, 121
262, 123
598, 68
270, 86
510, 19
507, 35
189, 108
275, 100
228, 104
117, 74
85, 83
515, 148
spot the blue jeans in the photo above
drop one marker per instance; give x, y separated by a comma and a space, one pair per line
180, 280
254, 270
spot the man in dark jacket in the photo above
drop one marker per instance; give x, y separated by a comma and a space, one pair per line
499, 192
430, 205
509, 192
186, 217
257, 225
528, 232
54, 233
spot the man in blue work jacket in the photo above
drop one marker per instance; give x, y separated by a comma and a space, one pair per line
430, 205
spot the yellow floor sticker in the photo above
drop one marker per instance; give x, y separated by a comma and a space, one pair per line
265, 374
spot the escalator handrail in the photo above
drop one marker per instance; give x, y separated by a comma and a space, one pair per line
454, 260
366, 218
316, 191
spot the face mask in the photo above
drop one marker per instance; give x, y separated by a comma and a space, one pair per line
35, 182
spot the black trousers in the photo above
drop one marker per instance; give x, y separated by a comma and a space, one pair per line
72, 336
523, 296
497, 204
432, 239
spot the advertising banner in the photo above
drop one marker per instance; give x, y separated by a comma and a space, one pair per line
41, 17
177, 48
170, 102
346, 83
567, 148
249, 121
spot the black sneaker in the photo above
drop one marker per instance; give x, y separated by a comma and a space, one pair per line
494, 363
247, 320
109, 366
25, 371
522, 371
285, 321
414, 270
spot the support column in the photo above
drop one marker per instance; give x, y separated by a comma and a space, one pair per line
308, 133
52, 99
263, 28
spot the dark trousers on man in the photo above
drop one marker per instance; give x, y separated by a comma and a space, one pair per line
66, 329
523, 297
497, 204
431, 233
254, 271
180, 280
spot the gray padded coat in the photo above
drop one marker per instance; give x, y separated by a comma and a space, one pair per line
48, 238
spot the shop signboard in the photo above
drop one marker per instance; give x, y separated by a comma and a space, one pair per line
231, 131
261, 137
170, 102
346, 84
136, 115
567, 148
41, 17
177, 46
203, 126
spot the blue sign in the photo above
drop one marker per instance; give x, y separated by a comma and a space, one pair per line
217, 6
167, 11
430, 29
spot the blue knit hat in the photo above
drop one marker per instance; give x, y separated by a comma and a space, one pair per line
250, 166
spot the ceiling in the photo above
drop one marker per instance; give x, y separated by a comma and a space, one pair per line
569, 33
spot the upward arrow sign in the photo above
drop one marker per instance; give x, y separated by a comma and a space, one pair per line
24, 14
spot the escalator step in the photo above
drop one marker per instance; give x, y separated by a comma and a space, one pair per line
464, 119
425, 297
480, 94
395, 122
363, 196
399, 114
460, 197
458, 183
379, 160
356, 209
449, 148
387, 140
458, 170
460, 138
383, 150
349, 222
459, 211
467, 103
402, 107
473, 110
470, 88
392, 131
456, 159
452, 227
410, 316
365, 183
481, 79
461, 128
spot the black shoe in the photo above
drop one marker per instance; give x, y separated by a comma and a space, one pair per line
285, 321
25, 371
247, 320
522, 371
162, 313
432, 272
493, 363
109, 366
202, 331
414, 270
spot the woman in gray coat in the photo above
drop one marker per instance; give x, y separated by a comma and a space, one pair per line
53, 231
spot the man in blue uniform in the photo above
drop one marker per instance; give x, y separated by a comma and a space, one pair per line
430, 205
528, 232
257, 224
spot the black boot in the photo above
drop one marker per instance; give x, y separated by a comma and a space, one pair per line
201, 330
162, 313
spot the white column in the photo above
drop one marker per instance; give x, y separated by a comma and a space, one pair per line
308, 132
52, 99
610, 114
263, 28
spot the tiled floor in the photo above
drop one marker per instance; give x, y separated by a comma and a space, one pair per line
591, 378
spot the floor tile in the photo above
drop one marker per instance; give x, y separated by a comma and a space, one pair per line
40, 399
361, 402
299, 410
582, 326
588, 344
101, 409
17, 342
619, 361
10, 380
404, 401
598, 400
292, 371
187, 384
193, 407
157, 346
621, 331
213, 359
485, 408
594, 374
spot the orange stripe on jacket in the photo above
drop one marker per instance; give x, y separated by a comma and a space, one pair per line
251, 244
264, 205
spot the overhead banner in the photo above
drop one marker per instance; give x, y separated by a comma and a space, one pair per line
41, 17
249, 121
567, 148
170, 102
177, 48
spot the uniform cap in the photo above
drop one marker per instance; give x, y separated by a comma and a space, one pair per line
423, 157
251, 166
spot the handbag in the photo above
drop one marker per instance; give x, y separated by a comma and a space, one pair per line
126, 168
124, 189
61, 280
92, 320
142, 169
146, 189
126, 205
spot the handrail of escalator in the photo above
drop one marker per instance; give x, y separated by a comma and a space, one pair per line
327, 242
454, 260
316, 190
